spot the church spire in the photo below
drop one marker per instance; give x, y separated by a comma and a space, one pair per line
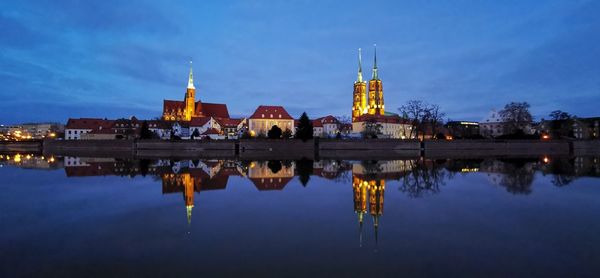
191, 78
375, 77
189, 213
359, 79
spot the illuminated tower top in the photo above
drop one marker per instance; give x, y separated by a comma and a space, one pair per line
191, 78
189, 213
375, 76
359, 79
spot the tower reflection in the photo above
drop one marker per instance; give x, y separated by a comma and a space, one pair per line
368, 186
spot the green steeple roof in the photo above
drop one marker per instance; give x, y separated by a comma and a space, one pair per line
375, 76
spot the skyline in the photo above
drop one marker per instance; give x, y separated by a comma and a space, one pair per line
68, 60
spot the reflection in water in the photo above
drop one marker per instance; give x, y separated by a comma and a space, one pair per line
469, 193
417, 177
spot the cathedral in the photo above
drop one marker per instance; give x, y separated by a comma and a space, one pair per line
370, 103
189, 108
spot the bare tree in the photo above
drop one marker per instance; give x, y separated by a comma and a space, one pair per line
559, 115
344, 119
420, 114
371, 129
414, 110
435, 117
515, 116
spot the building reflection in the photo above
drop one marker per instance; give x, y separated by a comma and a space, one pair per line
190, 177
271, 175
416, 178
30, 161
368, 186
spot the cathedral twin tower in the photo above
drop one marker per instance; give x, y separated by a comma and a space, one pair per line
371, 103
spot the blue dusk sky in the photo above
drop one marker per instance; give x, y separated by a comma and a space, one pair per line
115, 59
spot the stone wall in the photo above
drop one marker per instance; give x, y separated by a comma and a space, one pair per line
186, 145
272, 149
586, 147
482, 148
96, 148
369, 144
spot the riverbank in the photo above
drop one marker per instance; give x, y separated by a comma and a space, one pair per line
296, 149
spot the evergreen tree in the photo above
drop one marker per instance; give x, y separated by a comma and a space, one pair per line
287, 134
195, 134
274, 132
145, 132
305, 128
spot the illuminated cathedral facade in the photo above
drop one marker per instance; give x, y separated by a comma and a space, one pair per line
189, 108
367, 102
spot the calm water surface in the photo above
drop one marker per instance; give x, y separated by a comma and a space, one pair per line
106, 217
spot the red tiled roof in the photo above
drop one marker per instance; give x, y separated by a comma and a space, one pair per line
199, 121
271, 112
270, 183
88, 123
329, 120
92, 169
211, 131
317, 123
226, 122
213, 109
169, 105
159, 124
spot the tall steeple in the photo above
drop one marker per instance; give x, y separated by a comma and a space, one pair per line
375, 77
189, 213
359, 79
359, 96
191, 78
376, 106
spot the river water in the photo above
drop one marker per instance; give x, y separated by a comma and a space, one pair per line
109, 217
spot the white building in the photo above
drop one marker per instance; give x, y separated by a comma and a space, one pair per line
391, 126
327, 127
76, 127
203, 124
265, 117
492, 125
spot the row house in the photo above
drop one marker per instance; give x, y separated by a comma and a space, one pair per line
76, 128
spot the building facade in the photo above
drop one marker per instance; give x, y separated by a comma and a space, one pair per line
389, 126
462, 129
370, 103
190, 112
265, 117
75, 128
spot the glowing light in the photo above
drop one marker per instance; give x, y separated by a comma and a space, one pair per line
17, 158
545, 137
469, 170
546, 159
